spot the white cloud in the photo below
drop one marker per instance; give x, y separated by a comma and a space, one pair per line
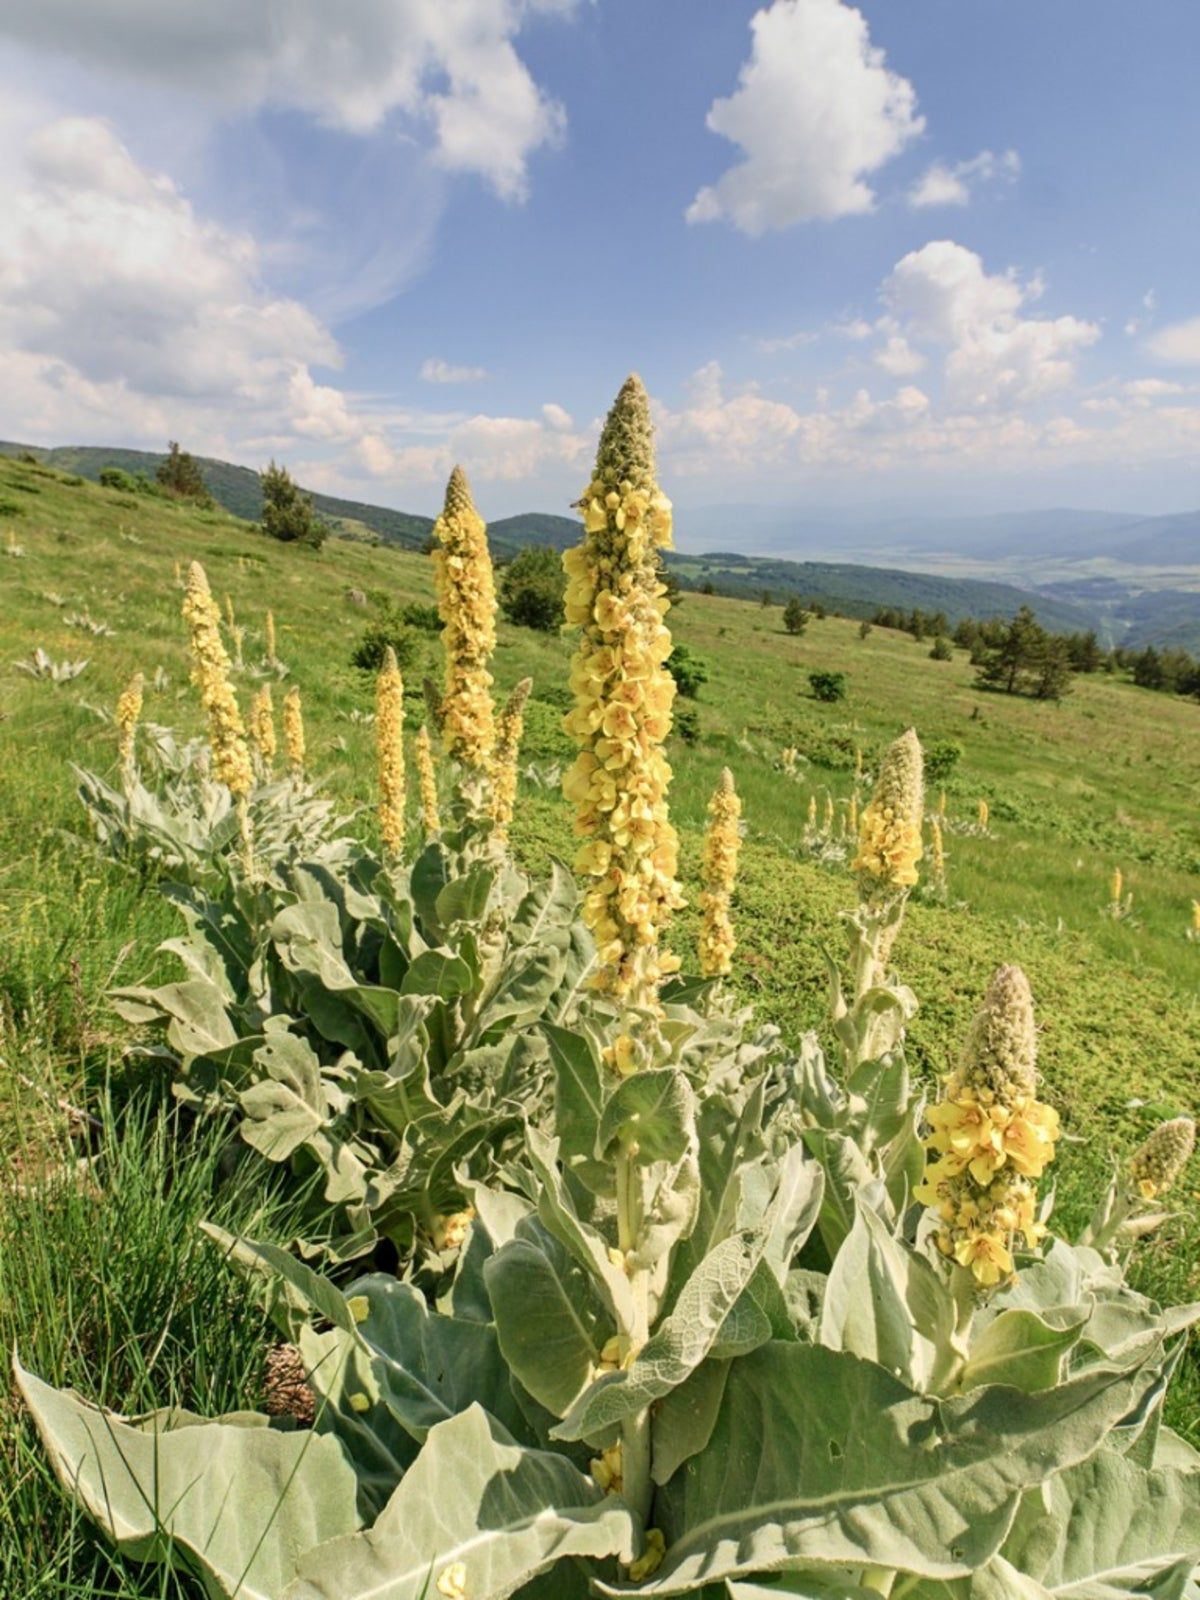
941, 295
435, 370
1151, 388
898, 358
1178, 344
790, 341
450, 66
942, 185
816, 112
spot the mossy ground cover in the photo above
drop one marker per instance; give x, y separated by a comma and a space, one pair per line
1107, 778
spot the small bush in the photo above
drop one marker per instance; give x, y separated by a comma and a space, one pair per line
686, 722
941, 760
688, 671
828, 686
424, 618
795, 617
389, 628
287, 513
532, 586
180, 476
942, 649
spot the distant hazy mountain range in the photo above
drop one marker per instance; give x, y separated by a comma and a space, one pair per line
1132, 578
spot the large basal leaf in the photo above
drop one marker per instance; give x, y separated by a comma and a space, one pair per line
820, 1458
546, 913
287, 1105
197, 1020
587, 1244
526, 981
476, 1501
1108, 1528
239, 1501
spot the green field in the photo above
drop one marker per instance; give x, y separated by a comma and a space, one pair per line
1106, 779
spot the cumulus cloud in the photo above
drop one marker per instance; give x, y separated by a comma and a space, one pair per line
1178, 344
943, 185
898, 358
435, 370
816, 112
450, 68
941, 295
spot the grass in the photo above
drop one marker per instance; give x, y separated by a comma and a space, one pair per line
88, 1285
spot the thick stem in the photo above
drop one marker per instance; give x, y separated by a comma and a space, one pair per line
635, 1431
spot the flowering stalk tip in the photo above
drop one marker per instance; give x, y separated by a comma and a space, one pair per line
467, 606
889, 841
210, 674
722, 842
1159, 1161
127, 715
622, 715
389, 745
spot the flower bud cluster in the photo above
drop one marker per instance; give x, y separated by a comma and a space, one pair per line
622, 715
991, 1138
1159, 1161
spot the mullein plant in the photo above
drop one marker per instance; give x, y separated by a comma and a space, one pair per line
466, 596
127, 715
427, 783
389, 748
262, 731
293, 732
722, 843
622, 715
226, 730
510, 725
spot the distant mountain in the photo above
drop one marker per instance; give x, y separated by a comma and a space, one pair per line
534, 527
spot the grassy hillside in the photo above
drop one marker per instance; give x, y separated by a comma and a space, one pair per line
1107, 778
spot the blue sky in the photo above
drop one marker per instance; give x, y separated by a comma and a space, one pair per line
936, 256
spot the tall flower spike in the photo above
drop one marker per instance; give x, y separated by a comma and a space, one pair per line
210, 673
427, 779
509, 728
127, 716
270, 633
389, 744
722, 842
1159, 1161
293, 732
622, 716
984, 815
889, 840
467, 606
262, 728
991, 1138
937, 851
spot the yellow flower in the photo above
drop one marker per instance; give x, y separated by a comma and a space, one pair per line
509, 728
467, 606
389, 749
262, 728
128, 712
293, 731
722, 842
452, 1584
987, 1256
889, 840
210, 673
622, 713
428, 781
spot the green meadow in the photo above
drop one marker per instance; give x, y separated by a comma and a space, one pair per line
1106, 779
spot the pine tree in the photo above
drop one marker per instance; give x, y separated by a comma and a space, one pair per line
180, 476
287, 512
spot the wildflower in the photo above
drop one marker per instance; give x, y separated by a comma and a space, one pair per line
812, 811
937, 851
293, 731
1158, 1162
1115, 885
509, 728
941, 805
270, 632
262, 727
721, 845
389, 748
622, 715
453, 1582
984, 814
889, 840
128, 712
427, 781
467, 606
990, 1138
210, 673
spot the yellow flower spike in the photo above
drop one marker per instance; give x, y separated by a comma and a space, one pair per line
654, 1547
262, 728
852, 816
722, 842
937, 851
293, 732
990, 1138
889, 838
389, 749
466, 596
1116, 885
858, 762
1158, 1162
127, 715
812, 810
984, 814
622, 714
427, 781
827, 818
452, 1583
270, 633
509, 728
941, 805
210, 674
229, 616
1196, 918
